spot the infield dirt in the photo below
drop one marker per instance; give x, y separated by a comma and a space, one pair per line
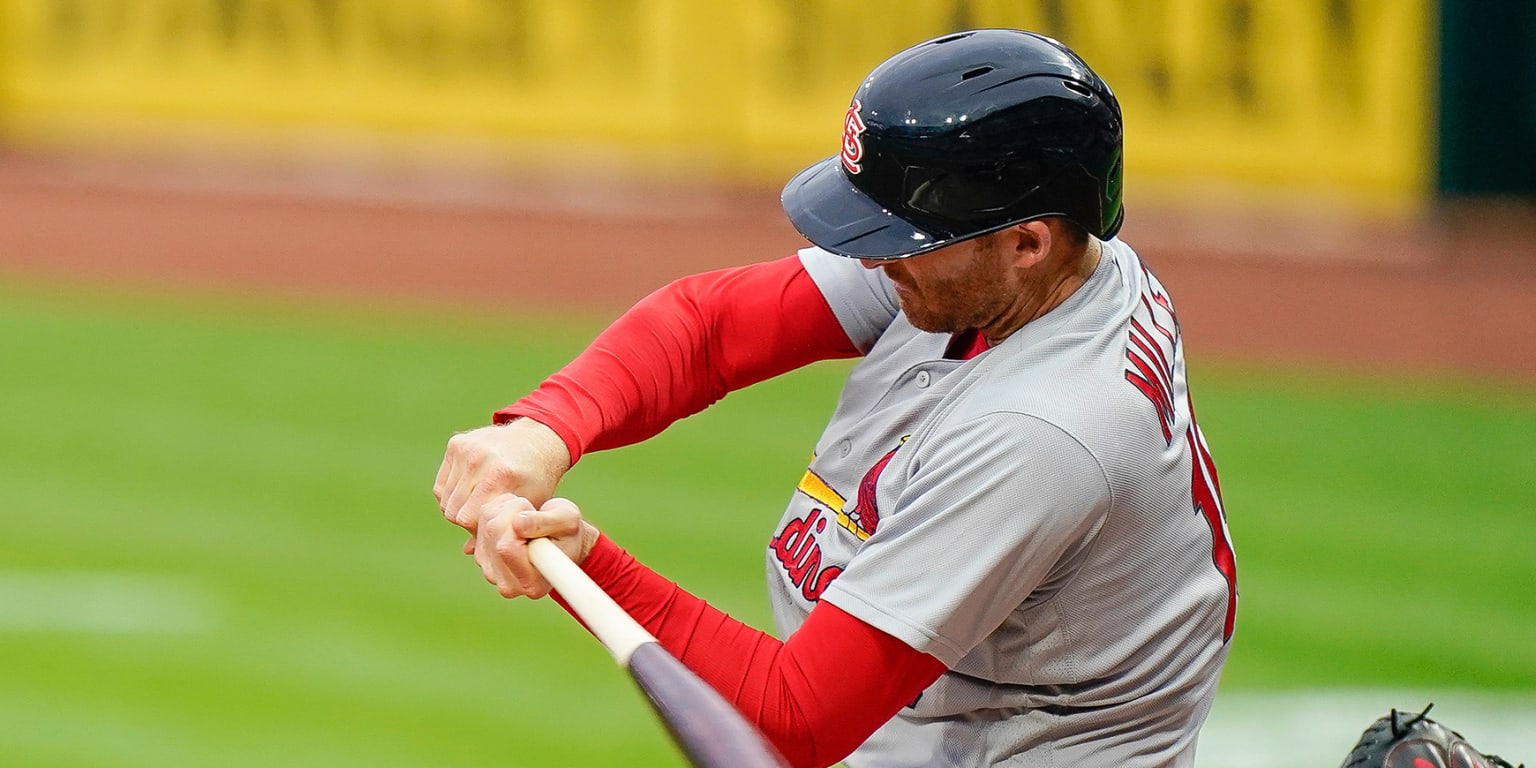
1452, 291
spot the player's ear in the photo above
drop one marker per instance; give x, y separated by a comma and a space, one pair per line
1029, 242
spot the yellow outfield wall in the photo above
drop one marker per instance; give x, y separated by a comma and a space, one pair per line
1320, 94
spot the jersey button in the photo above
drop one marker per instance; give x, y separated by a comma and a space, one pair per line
923, 378
844, 448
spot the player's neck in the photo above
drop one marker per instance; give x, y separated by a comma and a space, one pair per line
1046, 293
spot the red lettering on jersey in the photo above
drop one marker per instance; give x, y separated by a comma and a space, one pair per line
1160, 297
796, 550
1164, 416
1164, 368
1152, 374
805, 562
797, 537
853, 142
1162, 301
1150, 363
812, 589
1205, 488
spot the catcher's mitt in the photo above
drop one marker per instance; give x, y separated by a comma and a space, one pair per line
1407, 740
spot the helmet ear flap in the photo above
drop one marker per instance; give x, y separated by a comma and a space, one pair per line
1112, 206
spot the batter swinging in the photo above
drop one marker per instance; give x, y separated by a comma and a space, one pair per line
1009, 547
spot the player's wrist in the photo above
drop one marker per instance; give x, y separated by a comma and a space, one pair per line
589, 538
550, 447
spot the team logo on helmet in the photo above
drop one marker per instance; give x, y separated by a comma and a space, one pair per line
853, 145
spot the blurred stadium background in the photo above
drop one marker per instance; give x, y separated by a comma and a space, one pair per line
259, 258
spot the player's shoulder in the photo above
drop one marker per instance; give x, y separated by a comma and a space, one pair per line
862, 299
1137, 276
1068, 370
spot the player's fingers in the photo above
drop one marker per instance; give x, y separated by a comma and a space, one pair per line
508, 548
469, 546
456, 463
464, 481
493, 481
558, 518
492, 565
488, 568
445, 473
512, 552
506, 505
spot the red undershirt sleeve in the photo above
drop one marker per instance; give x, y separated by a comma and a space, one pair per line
682, 348
817, 696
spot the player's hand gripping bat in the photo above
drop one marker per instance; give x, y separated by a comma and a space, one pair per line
707, 728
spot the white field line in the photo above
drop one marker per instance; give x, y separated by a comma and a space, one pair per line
102, 603
1316, 729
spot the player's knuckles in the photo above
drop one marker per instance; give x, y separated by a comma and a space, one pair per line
563, 508
489, 570
526, 576
447, 478
496, 573
483, 547
539, 524
455, 455
505, 504
467, 473
473, 510
513, 587
454, 507
461, 443
458, 517
490, 531
510, 548
531, 585
451, 514
450, 509
526, 525
469, 501
503, 477
558, 517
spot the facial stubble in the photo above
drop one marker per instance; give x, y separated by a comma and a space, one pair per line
972, 296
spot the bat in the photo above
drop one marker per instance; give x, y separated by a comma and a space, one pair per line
703, 724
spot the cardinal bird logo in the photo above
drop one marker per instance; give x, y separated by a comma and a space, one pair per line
864, 518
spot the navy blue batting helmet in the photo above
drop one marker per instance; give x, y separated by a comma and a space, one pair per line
960, 136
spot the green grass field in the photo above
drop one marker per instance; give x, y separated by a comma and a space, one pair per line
218, 544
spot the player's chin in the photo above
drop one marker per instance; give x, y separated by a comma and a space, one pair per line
929, 324
924, 319
913, 307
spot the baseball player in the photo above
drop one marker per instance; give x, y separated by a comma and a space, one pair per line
1009, 547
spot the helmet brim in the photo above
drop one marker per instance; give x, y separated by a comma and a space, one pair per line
834, 215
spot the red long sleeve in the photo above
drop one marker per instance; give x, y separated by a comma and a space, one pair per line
816, 696
821, 693
681, 349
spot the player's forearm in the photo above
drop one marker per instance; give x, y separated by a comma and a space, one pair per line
817, 696
681, 349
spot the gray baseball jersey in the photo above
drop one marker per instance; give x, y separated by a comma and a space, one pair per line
1042, 518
